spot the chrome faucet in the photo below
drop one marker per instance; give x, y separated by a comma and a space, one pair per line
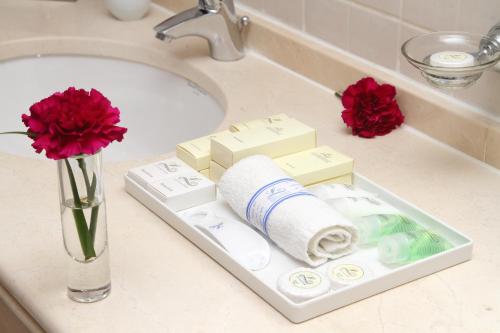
214, 20
491, 44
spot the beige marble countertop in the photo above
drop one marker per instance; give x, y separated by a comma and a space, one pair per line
161, 281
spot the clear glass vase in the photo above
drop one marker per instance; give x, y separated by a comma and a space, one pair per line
83, 215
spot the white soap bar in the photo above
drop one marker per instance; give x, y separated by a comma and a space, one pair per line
343, 274
150, 173
451, 59
302, 284
183, 190
241, 241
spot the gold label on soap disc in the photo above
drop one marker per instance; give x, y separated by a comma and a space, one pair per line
305, 280
346, 273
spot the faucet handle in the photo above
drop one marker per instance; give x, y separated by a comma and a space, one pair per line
214, 5
209, 5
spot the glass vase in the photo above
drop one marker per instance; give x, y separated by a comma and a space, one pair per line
83, 216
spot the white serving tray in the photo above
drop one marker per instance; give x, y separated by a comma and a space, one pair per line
263, 282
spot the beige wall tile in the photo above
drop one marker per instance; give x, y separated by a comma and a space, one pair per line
328, 20
408, 31
374, 36
485, 93
461, 132
287, 11
256, 4
391, 7
301, 57
432, 14
478, 15
492, 153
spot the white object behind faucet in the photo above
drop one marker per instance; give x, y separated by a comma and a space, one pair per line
128, 10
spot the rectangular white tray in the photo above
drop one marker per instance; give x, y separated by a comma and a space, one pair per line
263, 282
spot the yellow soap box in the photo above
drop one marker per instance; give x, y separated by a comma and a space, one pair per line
258, 123
289, 137
196, 153
316, 165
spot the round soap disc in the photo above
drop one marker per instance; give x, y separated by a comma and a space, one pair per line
451, 59
347, 273
303, 283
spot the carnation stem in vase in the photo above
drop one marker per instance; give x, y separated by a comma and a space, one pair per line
91, 187
80, 221
95, 210
83, 166
93, 224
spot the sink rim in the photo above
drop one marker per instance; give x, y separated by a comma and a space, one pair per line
112, 49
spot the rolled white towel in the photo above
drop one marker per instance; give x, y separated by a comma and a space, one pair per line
298, 222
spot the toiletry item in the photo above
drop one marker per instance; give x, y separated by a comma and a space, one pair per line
347, 273
342, 180
205, 172
216, 171
351, 202
329, 192
354, 208
243, 243
411, 246
315, 165
372, 217
183, 190
451, 59
128, 10
303, 283
262, 122
196, 153
299, 223
373, 227
157, 171
288, 137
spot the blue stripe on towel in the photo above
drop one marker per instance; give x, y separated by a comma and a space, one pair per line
263, 188
269, 211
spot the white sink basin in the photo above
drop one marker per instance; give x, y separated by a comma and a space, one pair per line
159, 108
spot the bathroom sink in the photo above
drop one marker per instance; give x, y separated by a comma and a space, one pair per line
159, 108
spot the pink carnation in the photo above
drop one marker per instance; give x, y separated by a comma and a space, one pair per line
371, 108
73, 122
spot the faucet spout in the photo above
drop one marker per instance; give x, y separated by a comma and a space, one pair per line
213, 20
171, 26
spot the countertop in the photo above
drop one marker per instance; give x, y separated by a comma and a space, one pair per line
161, 281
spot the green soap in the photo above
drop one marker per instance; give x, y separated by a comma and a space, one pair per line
372, 228
411, 246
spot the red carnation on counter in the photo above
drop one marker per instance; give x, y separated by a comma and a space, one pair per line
370, 108
73, 122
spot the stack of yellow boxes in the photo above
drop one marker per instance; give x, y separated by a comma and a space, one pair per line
289, 142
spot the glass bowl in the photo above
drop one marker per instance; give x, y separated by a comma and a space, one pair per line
482, 52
